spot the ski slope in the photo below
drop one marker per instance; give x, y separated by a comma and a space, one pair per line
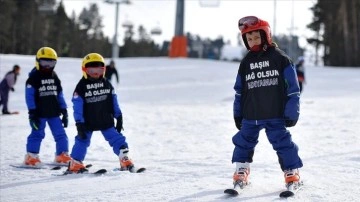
178, 122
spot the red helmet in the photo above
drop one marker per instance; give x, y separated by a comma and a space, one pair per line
253, 23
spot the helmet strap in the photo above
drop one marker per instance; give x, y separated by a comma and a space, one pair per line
265, 47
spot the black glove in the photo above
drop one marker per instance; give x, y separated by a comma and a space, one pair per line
290, 123
238, 121
65, 118
34, 119
81, 128
12, 89
119, 124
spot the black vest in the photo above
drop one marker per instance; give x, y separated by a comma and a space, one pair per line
98, 105
263, 84
47, 88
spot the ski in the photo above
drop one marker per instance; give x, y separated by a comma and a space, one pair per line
132, 170
231, 192
24, 166
12, 113
50, 166
238, 185
58, 166
97, 173
292, 189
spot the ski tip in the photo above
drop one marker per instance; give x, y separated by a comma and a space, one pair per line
101, 171
88, 165
286, 194
140, 170
56, 168
231, 192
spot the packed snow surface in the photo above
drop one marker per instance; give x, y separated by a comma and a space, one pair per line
179, 125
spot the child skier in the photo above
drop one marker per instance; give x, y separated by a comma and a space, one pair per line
95, 107
267, 97
45, 102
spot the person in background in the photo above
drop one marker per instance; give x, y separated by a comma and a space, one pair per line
95, 107
45, 102
110, 70
267, 97
7, 85
300, 71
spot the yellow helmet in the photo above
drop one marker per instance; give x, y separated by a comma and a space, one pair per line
45, 53
93, 60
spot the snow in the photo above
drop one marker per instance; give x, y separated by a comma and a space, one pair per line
178, 123
232, 53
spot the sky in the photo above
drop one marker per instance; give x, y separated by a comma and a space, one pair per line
209, 22
179, 124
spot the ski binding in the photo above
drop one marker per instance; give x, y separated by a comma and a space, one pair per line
238, 185
292, 189
133, 169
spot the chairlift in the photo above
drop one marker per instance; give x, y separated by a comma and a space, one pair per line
128, 24
209, 3
156, 31
46, 8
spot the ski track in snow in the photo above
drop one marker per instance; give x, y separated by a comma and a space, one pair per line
178, 123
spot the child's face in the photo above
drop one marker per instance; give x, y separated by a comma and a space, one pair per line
253, 38
95, 72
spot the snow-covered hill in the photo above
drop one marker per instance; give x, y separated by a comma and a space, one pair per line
178, 123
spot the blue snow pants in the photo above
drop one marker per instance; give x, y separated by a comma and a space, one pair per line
57, 130
115, 139
280, 138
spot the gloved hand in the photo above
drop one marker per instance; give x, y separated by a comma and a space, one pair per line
12, 89
238, 121
34, 119
290, 123
65, 118
81, 128
119, 124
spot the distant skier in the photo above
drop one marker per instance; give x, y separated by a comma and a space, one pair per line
300, 71
45, 102
95, 107
267, 97
7, 85
110, 71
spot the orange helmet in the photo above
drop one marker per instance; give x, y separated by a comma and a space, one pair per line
253, 23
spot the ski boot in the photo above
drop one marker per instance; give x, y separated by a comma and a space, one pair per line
6, 112
125, 162
292, 175
63, 158
76, 167
241, 175
292, 183
32, 159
